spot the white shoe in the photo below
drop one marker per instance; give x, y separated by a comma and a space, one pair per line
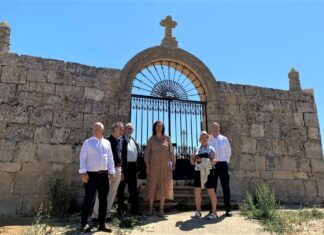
196, 214
211, 216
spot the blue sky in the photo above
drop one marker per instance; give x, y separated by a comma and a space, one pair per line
243, 42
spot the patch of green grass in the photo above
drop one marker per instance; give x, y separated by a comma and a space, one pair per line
263, 207
128, 222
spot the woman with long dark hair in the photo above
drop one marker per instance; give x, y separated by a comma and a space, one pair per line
159, 162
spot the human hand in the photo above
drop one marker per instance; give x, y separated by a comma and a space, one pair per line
213, 162
122, 177
111, 178
84, 177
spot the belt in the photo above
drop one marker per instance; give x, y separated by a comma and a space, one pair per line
98, 172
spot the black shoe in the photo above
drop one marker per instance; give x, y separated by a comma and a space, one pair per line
94, 222
103, 228
86, 229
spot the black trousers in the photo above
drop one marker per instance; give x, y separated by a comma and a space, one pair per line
130, 178
221, 171
98, 182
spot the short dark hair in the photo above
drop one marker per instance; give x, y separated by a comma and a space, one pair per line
154, 127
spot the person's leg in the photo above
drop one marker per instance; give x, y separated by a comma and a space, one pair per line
95, 209
132, 188
213, 199
112, 191
197, 191
103, 189
150, 212
224, 179
161, 211
121, 196
90, 192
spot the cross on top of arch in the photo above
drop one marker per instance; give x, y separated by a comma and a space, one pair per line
168, 40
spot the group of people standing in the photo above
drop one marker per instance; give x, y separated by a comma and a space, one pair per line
108, 165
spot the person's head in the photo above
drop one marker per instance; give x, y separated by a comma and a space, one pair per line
118, 129
129, 130
204, 138
215, 129
158, 128
98, 129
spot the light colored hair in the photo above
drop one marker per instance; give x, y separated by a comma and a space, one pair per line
98, 124
116, 125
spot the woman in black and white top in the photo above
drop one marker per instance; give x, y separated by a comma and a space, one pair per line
198, 159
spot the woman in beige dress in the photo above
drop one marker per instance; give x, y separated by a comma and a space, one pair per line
159, 162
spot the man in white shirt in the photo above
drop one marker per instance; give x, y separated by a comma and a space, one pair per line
96, 166
129, 153
223, 154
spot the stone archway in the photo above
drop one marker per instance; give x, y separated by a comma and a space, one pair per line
150, 55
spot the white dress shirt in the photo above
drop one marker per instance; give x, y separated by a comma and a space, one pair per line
96, 155
222, 147
131, 150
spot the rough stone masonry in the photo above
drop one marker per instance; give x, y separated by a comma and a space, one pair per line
47, 107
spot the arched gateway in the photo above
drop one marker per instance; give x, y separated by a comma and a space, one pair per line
169, 84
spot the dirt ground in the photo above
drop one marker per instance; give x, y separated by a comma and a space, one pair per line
173, 223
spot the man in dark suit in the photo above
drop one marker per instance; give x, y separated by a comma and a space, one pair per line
129, 153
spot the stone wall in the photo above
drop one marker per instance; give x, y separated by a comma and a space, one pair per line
46, 111
47, 108
275, 137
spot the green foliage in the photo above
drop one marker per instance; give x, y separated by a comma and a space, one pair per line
39, 228
62, 196
128, 222
263, 207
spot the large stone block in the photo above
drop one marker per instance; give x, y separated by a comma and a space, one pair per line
10, 205
289, 191
264, 147
13, 114
266, 174
311, 119
5, 182
7, 93
317, 165
272, 163
37, 75
257, 130
248, 145
303, 164
288, 163
279, 147
313, 133
320, 188
25, 184
93, 94
283, 175
10, 167
26, 151
305, 107
69, 91
299, 119
14, 74
66, 119
259, 162
247, 162
17, 132
54, 153
40, 116
8, 150
32, 99
311, 190
38, 87
313, 149
301, 175
36, 168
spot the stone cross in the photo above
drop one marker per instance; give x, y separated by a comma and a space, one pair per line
168, 40
168, 24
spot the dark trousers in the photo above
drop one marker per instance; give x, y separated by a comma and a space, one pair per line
130, 178
98, 182
221, 171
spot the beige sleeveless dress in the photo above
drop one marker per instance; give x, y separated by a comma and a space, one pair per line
158, 154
